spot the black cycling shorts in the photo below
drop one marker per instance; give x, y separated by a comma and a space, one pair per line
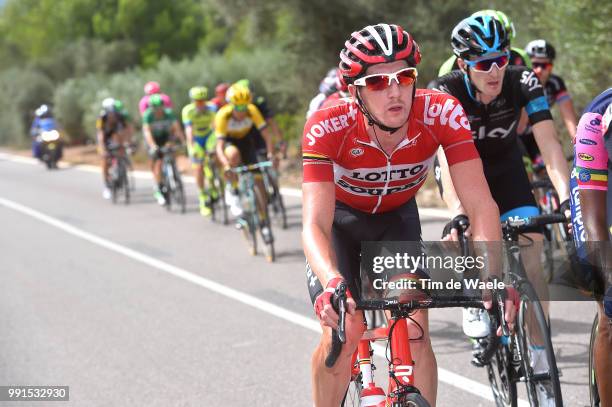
352, 226
245, 146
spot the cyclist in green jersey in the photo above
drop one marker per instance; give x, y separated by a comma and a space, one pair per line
198, 118
518, 56
158, 126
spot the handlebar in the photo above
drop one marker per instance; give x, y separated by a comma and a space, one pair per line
252, 167
521, 224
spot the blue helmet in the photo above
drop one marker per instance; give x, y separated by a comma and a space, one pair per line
479, 35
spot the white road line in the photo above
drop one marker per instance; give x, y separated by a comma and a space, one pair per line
291, 192
446, 376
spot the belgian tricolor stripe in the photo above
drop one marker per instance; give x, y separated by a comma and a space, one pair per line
315, 157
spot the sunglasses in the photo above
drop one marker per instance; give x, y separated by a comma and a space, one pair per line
381, 81
486, 65
541, 65
240, 108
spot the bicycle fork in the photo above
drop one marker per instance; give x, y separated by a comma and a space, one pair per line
401, 368
370, 395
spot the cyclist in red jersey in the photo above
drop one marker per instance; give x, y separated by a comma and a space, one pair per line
363, 163
340, 96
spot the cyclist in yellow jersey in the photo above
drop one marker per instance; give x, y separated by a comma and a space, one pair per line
198, 119
235, 146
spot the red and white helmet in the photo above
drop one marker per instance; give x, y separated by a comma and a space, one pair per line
151, 88
377, 44
340, 82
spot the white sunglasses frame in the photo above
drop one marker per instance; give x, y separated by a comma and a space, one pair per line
362, 81
473, 67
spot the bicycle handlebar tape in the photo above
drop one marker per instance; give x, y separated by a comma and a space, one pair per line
339, 335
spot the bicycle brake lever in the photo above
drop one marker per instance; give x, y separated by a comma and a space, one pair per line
501, 303
340, 299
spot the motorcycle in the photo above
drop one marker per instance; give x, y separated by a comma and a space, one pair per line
50, 147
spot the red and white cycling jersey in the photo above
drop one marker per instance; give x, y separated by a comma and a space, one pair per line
337, 148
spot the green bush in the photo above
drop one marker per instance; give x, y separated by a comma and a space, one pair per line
78, 100
23, 90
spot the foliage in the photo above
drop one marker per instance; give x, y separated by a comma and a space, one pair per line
77, 52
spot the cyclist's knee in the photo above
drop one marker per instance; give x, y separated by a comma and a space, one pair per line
233, 155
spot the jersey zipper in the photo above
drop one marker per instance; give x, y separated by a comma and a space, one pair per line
388, 158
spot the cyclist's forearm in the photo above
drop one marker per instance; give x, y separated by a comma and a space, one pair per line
450, 197
277, 135
189, 135
319, 253
556, 166
100, 139
148, 136
267, 136
221, 153
569, 117
178, 132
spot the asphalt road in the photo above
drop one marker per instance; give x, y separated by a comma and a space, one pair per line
132, 306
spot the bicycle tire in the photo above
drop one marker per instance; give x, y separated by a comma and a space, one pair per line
114, 182
219, 186
593, 392
413, 400
179, 191
249, 229
500, 375
280, 205
249, 234
269, 252
168, 178
530, 299
352, 397
124, 182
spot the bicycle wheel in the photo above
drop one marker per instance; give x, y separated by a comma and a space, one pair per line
179, 191
499, 372
414, 400
278, 206
125, 183
113, 171
219, 187
267, 237
533, 335
167, 184
248, 223
593, 392
352, 397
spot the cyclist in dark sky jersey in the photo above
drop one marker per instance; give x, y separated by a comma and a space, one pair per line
493, 95
542, 55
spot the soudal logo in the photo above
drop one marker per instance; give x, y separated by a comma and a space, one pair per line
450, 113
585, 157
588, 142
356, 152
331, 125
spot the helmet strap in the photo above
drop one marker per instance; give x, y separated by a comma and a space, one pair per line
372, 121
471, 88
